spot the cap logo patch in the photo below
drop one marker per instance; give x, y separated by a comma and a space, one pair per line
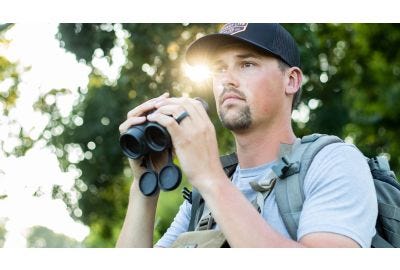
233, 28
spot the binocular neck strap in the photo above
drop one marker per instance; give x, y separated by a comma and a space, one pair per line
148, 163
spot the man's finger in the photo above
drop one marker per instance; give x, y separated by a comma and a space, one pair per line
132, 121
146, 106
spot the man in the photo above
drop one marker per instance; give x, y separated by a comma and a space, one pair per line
256, 82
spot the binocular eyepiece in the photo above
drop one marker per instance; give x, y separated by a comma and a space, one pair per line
143, 139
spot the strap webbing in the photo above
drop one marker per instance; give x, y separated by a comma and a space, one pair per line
313, 149
379, 242
197, 207
229, 163
289, 192
388, 211
263, 188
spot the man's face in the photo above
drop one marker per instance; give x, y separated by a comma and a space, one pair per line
248, 87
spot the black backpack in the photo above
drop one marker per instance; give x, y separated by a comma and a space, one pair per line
290, 173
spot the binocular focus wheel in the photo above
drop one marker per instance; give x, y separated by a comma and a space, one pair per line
148, 183
169, 177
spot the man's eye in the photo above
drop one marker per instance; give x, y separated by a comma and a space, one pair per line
247, 64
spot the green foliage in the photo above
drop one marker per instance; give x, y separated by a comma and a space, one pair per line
360, 93
42, 237
9, 80
3, 232
154, 53
83, 39
351, 89
9, 77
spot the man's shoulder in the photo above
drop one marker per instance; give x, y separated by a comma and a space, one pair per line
339, 164
339, 193
340, 152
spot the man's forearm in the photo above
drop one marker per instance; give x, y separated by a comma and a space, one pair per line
241, 224
138, 227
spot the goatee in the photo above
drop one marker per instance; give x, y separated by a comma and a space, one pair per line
240, 122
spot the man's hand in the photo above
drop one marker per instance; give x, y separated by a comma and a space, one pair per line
137, 116
194, 139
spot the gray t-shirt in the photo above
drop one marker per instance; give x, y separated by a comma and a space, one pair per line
339, 198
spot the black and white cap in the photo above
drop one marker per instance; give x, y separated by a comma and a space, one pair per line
269, 37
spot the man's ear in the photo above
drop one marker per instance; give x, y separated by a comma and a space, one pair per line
295, 78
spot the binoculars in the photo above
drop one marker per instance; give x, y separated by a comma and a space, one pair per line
141, 140
147, 138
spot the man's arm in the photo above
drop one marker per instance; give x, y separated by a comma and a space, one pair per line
138, 227
137, 230
243, 226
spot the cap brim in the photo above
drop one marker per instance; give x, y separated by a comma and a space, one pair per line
200, 50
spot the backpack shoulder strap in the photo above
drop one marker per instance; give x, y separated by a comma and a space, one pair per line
291, 171
289, 192
197, 209
387, 191
229, 163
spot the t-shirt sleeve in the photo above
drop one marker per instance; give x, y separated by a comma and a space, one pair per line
340, 195
178, 226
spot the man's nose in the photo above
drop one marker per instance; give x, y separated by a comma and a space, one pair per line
230, 79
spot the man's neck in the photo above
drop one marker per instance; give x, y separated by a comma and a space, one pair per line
261, 146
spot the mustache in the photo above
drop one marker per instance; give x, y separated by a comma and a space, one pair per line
231, 90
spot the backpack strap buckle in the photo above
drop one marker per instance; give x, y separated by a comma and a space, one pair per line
263, 189
379, 163
206, 223
285, 168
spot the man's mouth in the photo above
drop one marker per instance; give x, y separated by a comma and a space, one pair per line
231, 97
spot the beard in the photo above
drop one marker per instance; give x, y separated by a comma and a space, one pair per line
241, 121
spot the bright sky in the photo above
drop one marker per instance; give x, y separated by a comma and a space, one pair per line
34, 45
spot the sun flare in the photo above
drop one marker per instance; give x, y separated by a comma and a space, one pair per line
198, 73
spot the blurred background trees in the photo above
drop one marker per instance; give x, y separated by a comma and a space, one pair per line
42, 237
351, 89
